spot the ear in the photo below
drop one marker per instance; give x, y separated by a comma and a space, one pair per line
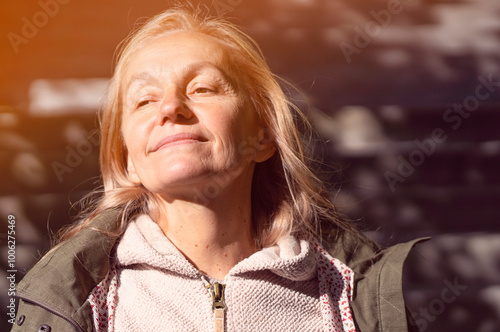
132, 174
265, 146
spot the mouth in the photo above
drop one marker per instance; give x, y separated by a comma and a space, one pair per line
178, 139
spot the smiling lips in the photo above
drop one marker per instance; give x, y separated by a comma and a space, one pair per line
178, 139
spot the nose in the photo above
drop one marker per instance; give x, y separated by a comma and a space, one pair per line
173, 107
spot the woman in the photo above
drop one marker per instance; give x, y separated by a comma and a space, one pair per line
211, 218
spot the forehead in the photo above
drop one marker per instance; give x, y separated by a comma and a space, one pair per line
174, 51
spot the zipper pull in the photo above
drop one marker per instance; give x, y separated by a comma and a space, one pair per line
216, 291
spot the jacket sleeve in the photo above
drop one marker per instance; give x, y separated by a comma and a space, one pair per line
31, 317
53, 295
378, 302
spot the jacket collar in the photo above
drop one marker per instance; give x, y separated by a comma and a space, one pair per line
144, 243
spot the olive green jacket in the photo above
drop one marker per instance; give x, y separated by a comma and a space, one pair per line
54, 293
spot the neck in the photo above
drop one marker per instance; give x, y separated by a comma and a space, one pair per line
214, 235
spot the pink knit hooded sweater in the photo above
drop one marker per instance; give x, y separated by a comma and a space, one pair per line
292, 286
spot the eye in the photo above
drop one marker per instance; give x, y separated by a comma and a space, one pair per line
144, 103
202, 90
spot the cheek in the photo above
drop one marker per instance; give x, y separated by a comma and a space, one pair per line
128, 136
243, 121
247, 126
135, 136
232, 130
242, 137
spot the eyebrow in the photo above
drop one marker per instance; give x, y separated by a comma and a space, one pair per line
140, 78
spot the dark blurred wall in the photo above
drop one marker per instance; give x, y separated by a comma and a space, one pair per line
403, 94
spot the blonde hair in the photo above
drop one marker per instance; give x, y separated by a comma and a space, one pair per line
287, 198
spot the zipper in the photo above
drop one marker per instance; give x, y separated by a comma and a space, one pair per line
216, 291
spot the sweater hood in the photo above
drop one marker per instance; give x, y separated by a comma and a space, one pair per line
143, 243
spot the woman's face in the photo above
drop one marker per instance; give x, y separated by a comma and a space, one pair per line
184, 123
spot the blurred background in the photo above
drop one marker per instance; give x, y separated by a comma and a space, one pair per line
405, 95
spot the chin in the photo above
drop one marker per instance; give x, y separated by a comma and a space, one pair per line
175, 180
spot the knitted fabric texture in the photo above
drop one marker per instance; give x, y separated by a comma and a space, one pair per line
293, 286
